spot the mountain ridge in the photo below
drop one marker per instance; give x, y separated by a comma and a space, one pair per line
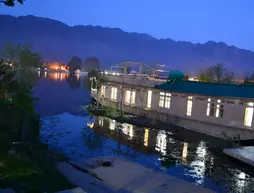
56, 40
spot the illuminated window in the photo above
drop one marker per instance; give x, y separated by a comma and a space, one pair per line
149, 99
215, 109
248, 114
133, 97
162, 98
189, 106
167, 100
219, 109
130, 97
210, 108
113, 93
103, 91
127, 96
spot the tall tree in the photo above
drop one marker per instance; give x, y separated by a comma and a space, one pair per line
91, 63
11, 3
219, 72
75, 63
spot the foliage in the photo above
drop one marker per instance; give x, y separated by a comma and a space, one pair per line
11, 3
17, 61
75, 63
91, 63
249, 79
216, 73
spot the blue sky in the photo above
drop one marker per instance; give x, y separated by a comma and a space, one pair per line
230, 21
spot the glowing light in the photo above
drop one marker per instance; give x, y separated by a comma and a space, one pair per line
241, 180
199, 164
161, 142
146, 137
112, 124
185, 152
101, 121
128, 129
149, 99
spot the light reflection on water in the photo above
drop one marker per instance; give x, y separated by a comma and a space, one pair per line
84, 137
80, 136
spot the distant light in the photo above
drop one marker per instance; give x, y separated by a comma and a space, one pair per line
118, 74
106, 72
114, 73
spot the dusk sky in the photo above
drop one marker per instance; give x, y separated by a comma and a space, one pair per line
230, 21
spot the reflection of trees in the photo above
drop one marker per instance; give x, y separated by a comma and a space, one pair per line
28, 77
73, 81
92, 140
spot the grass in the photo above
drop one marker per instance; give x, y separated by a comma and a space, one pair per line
31, 169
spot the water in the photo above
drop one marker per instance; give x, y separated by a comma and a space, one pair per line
69, 128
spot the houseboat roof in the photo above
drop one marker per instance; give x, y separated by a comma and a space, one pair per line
209, 89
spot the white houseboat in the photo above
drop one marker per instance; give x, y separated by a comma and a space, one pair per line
218, 110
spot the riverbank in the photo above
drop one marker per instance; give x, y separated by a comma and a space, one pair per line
26, 168
124, 176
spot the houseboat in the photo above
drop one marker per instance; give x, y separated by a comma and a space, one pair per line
219, 110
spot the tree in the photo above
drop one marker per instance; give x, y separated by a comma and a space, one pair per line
91, 63
217, 74
17, 61
249, 79
75, 63
11, 3
218, 71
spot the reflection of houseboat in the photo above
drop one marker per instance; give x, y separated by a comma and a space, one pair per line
214, 109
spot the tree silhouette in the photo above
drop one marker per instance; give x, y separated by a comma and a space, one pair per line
11, 3
75, 63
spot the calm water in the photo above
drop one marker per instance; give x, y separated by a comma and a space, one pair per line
69, 128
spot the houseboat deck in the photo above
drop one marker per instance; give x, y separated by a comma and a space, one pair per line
243, 154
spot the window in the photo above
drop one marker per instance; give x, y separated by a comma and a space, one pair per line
248, 114
189, 106
210, 108
113, 93
103, 91
213, 107
164, 100
133, 97
130, 97
127, 96
167, 100
219, 109
149, 99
